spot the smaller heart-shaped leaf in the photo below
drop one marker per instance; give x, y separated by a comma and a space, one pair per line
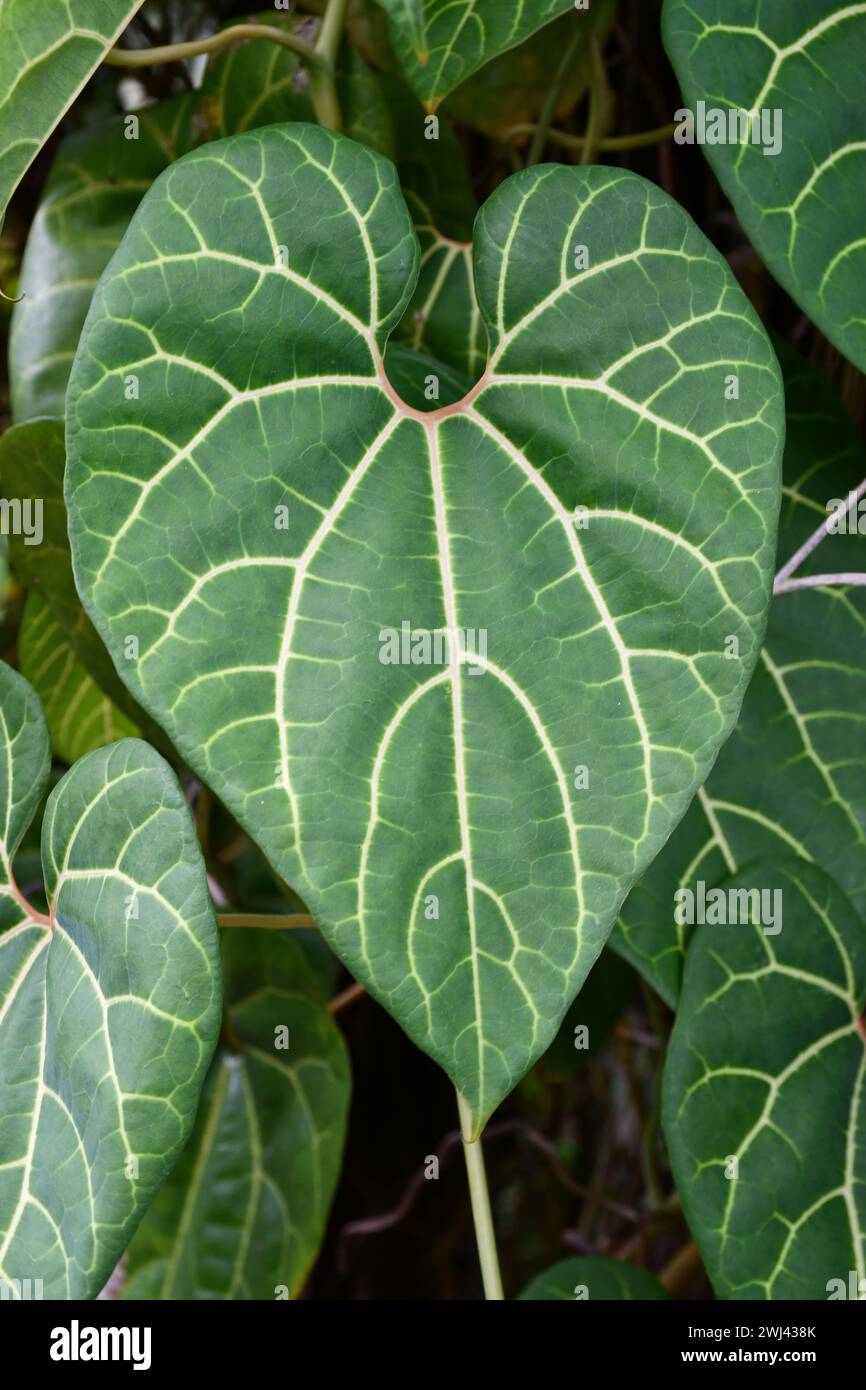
109, 1003
763, 1102
244, 1212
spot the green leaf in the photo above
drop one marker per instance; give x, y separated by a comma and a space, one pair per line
792, 778
429, 159
375, 787
244, 1212
24, 771
440, 42
11, 599
96, 182
257, 83
80, 717
365, 112
514, 87
824, 459
442, 318
763, 1092
413, 375
32, 463
47, 53
590, 1278
109, 1007
802, 204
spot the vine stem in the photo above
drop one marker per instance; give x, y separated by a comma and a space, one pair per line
323, 88
214, 43
264, 919
485, 1237
608, 142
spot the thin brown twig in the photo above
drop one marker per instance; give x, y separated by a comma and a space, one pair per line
348, 996
275, 922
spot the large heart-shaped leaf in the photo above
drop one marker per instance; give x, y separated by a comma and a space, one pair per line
463, 830
109, 1005
764, 1091
792, 777
47, 53
244, 1212
96, 182
798, 189
441, 42
593, 1278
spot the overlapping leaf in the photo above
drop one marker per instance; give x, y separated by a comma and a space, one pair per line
95, 184
435, 820
100, 175
591, 1278
802, 206
244, 1212
442, 318
32, 463
764, 1107
47, 53
421, 381
109, 1006
79, 715
515, 87
792, 778
441, 42
255, 83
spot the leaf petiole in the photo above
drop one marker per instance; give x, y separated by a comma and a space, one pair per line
479, 1196
215, 43
323, 89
